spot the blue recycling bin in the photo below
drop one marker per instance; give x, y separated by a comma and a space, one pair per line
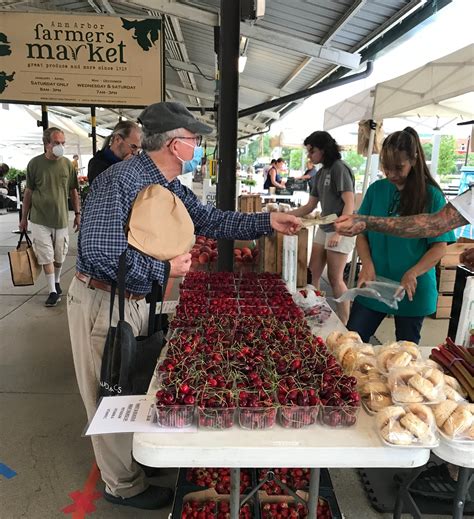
467, 178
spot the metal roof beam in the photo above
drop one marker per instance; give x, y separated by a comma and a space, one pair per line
185, 12
192, 14
260, 87
321, 52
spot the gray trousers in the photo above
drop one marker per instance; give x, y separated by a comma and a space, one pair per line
88, 317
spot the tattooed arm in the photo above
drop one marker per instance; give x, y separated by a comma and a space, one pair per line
416, 226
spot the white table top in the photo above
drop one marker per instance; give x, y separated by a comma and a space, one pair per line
319, 446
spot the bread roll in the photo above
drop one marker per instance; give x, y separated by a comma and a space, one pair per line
425, 387
397, 434
443, 411
435, 376
415, 425
411, 348
399, 360
389, 415
375, 387
451, 394
406, 395
458, 422
378, 401
332, 339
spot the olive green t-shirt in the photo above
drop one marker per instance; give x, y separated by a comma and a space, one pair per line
50, 181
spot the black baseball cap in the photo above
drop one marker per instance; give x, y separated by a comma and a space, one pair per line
167, 116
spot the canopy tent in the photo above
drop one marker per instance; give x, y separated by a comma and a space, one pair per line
442, 88
21, 138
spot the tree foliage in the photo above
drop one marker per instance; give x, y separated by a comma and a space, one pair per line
427, 149
354, 160
447, 155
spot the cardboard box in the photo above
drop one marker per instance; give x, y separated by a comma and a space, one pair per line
443, 307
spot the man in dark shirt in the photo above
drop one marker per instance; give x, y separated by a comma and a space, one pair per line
124, 142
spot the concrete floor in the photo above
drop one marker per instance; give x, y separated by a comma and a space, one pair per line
42, 416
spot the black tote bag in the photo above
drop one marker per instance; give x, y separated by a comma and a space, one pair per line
128, 362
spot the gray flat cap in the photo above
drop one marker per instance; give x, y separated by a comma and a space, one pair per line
164, 117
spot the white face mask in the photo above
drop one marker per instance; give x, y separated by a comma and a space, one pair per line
58, 150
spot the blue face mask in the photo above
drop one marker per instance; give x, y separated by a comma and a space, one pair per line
190, 165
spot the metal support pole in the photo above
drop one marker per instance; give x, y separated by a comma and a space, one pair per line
365, 185
313, 493
44, 117
234, 493
93, 131
229, 41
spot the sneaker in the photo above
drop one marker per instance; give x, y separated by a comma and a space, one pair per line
53, 299
152, 498
58, 289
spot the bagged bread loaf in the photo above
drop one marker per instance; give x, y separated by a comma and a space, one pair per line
417, 384
455, 420
411, 424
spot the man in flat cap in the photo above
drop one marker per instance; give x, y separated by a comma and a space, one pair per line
170, 134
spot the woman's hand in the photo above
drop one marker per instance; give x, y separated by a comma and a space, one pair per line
334, 240
409, 283
366, 274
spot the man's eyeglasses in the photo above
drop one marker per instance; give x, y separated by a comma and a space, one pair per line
135, 149
197, 139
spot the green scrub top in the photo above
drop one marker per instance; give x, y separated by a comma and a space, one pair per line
393, 256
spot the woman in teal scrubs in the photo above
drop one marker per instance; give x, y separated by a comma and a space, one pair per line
407, 189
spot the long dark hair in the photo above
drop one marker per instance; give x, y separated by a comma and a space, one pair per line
325, 143
414, 197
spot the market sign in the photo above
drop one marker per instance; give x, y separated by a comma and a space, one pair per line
50, 58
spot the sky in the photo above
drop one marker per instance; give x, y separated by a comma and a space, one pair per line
447, 31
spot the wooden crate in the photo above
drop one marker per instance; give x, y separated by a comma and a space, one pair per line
451, 258
271, 253
250, 204
447, 277
443, 307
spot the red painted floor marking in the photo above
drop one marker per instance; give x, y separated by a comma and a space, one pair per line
84, 500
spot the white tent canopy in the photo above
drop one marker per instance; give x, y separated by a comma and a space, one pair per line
21, 138
441, 88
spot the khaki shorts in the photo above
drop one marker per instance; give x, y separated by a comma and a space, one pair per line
346, 244
50, 245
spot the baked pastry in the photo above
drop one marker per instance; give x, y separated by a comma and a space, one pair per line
419, 420
443, 411
411, 348
397, 434
378, 401
390, 414
332, 339
425, 387
406, 395
459, 422
451, 394
452, 382
399, 359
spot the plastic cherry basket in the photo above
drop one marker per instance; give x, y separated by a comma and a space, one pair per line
178, 416
343, 416
255, 418
216, 418
297, 417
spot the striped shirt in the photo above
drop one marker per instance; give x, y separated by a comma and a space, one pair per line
105, 213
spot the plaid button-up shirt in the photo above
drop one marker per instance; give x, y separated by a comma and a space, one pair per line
105, 213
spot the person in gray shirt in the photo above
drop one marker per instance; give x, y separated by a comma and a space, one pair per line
334, 189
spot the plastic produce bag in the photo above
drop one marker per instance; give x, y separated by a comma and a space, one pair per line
384, 290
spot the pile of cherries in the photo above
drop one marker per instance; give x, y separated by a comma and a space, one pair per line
240, 346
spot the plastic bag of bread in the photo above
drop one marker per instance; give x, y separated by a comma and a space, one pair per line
375, 392
408, 425
397, 355
284, 208
334, 339
455, 420
355, 356
416, 384
272, 207
453, 390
